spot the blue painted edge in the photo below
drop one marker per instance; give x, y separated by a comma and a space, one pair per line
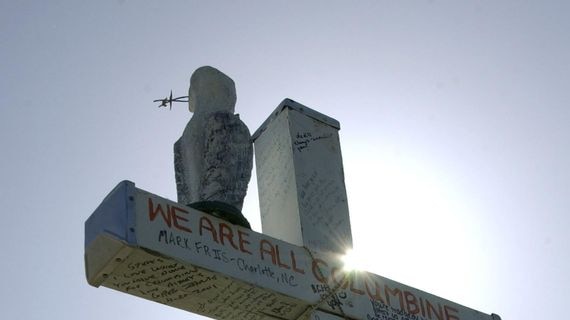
114, 216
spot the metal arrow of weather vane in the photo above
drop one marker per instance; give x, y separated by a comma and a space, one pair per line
169, 100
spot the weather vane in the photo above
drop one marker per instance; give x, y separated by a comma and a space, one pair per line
169, 100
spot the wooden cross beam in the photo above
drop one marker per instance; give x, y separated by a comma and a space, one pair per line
148, 246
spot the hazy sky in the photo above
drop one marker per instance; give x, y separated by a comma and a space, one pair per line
455, 134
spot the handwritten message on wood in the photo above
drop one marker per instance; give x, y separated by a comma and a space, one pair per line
320, 183
196, 262
301, 181
197, 290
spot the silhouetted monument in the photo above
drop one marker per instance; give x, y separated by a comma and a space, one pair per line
213, 158
192, 258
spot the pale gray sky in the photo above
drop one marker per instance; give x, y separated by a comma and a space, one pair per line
455, 134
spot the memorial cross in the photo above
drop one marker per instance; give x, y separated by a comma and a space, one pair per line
154, 248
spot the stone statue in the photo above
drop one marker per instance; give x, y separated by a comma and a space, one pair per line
214, 156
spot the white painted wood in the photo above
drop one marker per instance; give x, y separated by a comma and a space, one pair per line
193, 261
300, 178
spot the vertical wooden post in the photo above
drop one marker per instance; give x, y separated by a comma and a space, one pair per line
300, 179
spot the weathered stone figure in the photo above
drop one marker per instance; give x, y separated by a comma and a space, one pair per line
214, 156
